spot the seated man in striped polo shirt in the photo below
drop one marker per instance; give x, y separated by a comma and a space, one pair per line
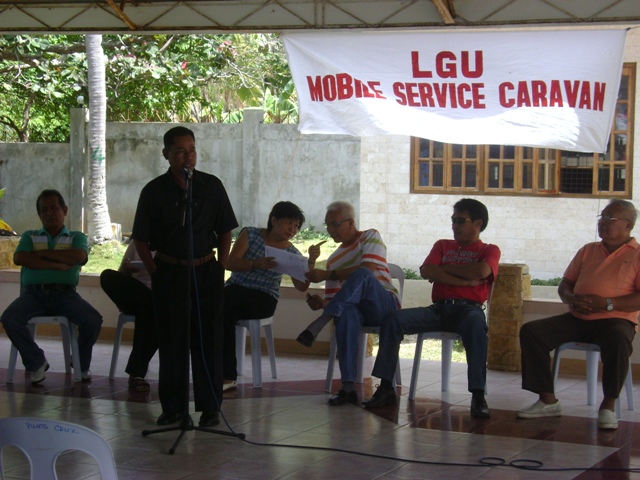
358, 291
51, 259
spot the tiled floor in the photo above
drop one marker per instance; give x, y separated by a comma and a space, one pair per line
292, 434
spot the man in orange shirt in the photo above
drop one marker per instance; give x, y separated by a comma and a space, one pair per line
602, 288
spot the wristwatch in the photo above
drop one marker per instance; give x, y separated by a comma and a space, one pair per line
609, 305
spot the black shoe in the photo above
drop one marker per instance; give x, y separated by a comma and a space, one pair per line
380, 398
168, 418
479, 407
343, 397
209, 419
306, 338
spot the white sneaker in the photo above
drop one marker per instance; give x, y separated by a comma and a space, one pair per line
38, 375
607, 420
540, 409
229, 385
86, 376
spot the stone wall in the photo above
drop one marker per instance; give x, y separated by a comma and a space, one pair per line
506, 316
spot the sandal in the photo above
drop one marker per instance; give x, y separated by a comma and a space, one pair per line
139, 384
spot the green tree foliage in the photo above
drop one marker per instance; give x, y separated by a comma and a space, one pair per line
159, 78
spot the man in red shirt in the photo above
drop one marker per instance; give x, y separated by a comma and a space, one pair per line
462, 271
602, 288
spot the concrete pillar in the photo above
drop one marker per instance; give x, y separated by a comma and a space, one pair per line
251, 175
78, 118
511, 288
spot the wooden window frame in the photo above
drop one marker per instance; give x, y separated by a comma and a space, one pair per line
547, 167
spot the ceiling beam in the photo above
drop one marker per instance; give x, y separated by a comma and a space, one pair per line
120, 13
446, 11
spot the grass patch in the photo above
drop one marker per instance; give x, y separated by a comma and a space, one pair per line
431, 349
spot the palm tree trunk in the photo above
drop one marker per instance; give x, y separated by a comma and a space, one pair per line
99, 222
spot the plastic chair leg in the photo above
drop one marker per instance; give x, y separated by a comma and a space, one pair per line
241, 346
256, 364
271, 350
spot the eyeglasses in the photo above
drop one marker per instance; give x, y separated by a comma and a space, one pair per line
460, 220
607, 219
336, 224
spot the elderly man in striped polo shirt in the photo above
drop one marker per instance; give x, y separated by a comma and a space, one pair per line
358, 291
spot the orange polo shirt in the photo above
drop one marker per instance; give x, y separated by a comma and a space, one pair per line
596, 271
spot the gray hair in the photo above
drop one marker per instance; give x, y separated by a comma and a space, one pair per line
628, 208
345, 208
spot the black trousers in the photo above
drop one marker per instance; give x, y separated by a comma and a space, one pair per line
540, 337
171, 301
241, 303
134, 298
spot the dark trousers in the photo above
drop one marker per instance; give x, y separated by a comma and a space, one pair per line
241, 303
134, 298
43, 303
171, 300
540, 337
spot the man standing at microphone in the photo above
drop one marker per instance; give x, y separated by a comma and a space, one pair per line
186, 278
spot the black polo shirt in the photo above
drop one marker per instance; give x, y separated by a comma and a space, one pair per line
159, 216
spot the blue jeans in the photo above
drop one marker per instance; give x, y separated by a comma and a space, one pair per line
466, 320
362, 300
44, 303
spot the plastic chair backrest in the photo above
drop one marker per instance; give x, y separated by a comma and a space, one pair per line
43, 440
396, 272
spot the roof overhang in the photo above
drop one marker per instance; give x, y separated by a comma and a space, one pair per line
207, 16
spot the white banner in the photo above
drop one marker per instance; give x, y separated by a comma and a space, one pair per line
553, 89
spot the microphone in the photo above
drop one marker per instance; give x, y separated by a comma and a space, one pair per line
188, 174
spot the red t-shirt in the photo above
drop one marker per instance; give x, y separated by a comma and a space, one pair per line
446, 252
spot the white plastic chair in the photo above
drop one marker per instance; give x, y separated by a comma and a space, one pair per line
592, 351
396, 273
42, 441
69, 336
254, 326
447, 350
122, 319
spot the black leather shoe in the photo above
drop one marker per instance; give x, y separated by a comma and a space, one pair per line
306, 338
168, 418
343, 397
209, 419
479, 407
380, 398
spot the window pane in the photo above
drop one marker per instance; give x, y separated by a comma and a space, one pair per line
621, 147
547, 175
619, 179
424, 175
603, 179
527, 153
507, 175
470, 177
621, 116
494, 175
438, 150
623, 93
494, 151
471, 151
456, 174
527, 174
509, 152
576, 180
456, 151
425, 148
438, 174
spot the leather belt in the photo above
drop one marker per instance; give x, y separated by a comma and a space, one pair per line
458, 301
184, 263
50, 287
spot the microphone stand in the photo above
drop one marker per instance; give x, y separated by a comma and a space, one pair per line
186, 423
